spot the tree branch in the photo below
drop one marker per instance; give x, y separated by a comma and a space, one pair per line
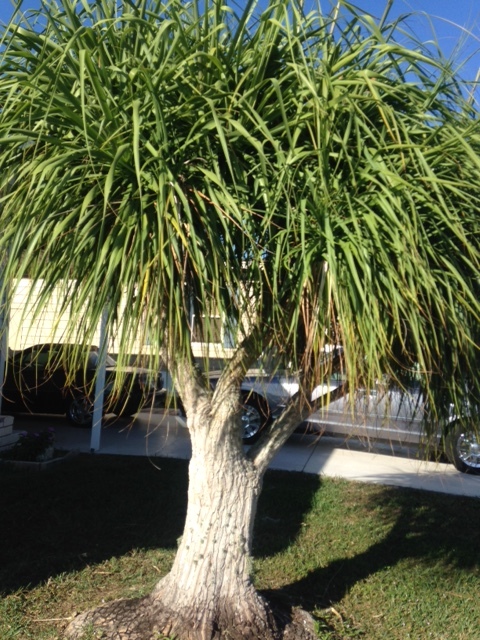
298, 409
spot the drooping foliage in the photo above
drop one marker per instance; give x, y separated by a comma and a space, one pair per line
304, 176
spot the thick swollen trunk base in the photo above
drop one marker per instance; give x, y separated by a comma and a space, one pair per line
146, 619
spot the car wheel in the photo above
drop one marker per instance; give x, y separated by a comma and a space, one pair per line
255, 416
463, 449
80, 411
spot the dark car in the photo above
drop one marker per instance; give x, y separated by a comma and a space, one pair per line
37, 381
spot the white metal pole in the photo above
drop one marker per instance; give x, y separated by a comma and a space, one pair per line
99, 385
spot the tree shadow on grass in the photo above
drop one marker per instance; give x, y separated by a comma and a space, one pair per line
97, 507
93, 508
285, 500
84, 511
425, 527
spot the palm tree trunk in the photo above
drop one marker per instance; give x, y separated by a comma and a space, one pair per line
209, 585
208, 592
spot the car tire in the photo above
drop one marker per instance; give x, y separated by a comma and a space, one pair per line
463, 449
256, 416
80, 411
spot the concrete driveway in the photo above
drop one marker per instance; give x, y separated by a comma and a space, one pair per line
163, 434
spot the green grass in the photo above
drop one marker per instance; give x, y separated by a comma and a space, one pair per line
368, 561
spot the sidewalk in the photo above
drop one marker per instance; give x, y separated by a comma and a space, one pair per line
165, 435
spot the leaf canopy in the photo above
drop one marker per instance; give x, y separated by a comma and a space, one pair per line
307, 177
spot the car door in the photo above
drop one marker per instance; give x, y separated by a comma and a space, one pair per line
15, 392
21, 382
39, 380
386, 414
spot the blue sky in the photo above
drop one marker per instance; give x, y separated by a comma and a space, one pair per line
455, 22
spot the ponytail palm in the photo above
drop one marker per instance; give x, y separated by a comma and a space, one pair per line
305, 177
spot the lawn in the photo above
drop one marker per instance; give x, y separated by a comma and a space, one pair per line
368, 561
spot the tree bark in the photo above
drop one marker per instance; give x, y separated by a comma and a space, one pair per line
209, 586
208, 593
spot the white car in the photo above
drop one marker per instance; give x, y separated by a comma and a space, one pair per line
383, 415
